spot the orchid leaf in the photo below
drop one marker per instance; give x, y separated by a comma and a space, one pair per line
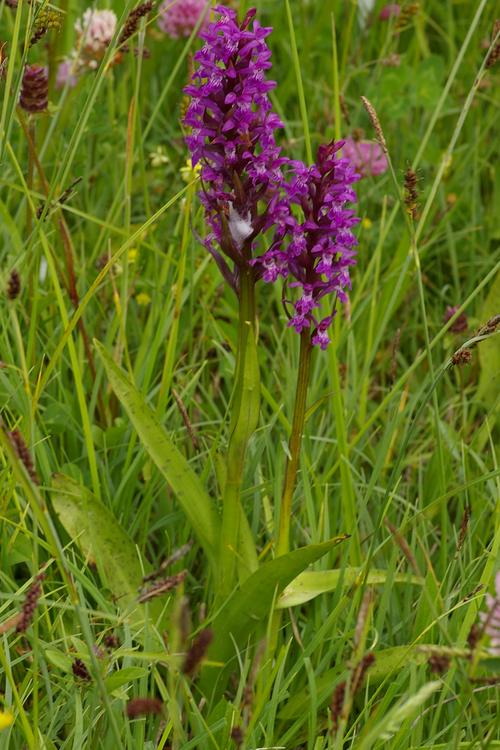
185, 484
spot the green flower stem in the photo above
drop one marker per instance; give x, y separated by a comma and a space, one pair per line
292, 465
244, 418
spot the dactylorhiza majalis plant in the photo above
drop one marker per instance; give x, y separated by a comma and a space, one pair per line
269, 218
231, 135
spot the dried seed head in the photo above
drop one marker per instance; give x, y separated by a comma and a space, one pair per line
489, 327
460, 324
163, 586
23, 454
375, 122
34, 89
111, 641
197, 652
463, 528
494, 55
176, 555
133, 19
461, 357
474, 636
30, 604
439, 663
337, 704
13, 285
46, 19
237, 736
143, 707
406, 14
403, 545
411, 193
360, 671
3, 60
80, 671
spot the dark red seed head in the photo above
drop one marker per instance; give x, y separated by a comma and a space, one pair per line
143, 707
13, 285
34, 89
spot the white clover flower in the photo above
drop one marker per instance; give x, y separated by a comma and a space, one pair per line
96, 29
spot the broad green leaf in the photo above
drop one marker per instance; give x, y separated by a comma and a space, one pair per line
185, 484
310, 584
100, 538
252, 602
489, 350
122, 676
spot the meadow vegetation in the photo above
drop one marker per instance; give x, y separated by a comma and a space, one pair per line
178, 569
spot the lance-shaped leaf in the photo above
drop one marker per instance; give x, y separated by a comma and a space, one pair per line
251, 604
185, 484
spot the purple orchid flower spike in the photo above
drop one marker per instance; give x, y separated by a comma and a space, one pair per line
232, 129
318, 251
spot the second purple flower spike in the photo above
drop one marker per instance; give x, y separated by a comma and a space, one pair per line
318, 250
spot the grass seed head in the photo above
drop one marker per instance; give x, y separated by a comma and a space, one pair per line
143, 707
30, 604
13, 285
80, 671
24, 454
197, 652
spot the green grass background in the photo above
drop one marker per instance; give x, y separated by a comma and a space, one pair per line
383, 450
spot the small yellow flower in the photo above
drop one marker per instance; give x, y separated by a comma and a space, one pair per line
6, 719
142, 299
132, 255
188, 173
366, 223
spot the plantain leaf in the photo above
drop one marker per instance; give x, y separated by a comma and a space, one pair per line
311, 584
185, 484
252, 602
101, 540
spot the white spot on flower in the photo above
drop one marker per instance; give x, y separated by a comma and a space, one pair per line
240, 227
